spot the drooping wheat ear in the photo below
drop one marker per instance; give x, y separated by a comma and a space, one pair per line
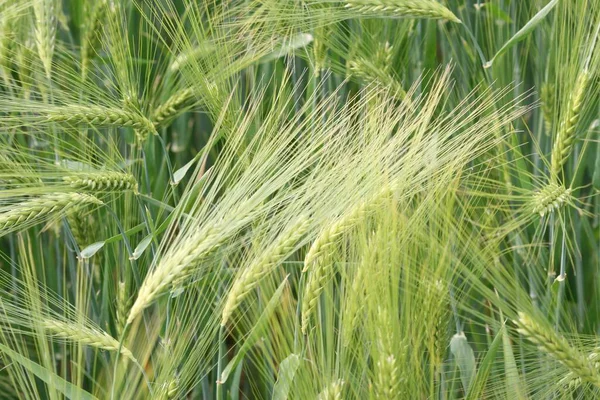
96, 14
571, 380
369, 72
28, 211
103, 182
123, 304
550, 198
333, 391
276, 253
99, 116
169, 109
387, 382
45, 31
558, 348
565, 136
86, 336
81, 224
402, 8
176, 268
547, 97
315, 283
327, 240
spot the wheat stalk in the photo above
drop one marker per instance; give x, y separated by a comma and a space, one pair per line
30, 210
45, 31
99, 116
550, 198
103, 181
170, 107
565, 136
558, 348
402, 8
85, 335
268, 261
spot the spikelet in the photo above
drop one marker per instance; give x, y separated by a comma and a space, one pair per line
558, 348
176, 267
571, 380
355, 303
315, 283
565, 136
169, 390
268, 261
377, 70
169, 109
402, 8
45, 31
550, 198
333, 391
102, 182
386, 385
435, 321
123, 304
96, 13
99, 116
81, 224
547, 97
85, 335
324, 244
29, 211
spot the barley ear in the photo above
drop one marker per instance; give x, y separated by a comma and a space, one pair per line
402, 8
45, 31
103, 182
171, 107
333, 391
565, 136
269, 260
550, 198
558, 348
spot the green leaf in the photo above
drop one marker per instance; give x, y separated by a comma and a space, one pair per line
92, 249
485, 367
181, 172
524, 31
285, 377
465, 359
50, 378
141, 247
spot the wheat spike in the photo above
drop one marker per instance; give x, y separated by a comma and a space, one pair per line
96, 13
571, 380
171, 106
99, 116
176, 268
402, 8
565, 136
30, 210
550, 198
558, 348
268, 261
547, 97
123, 304
81, 224
315, 283
333, 391
103, 182
324, 244
387, 382
45, 31
85, 335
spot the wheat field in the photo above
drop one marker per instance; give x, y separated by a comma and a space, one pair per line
299, 199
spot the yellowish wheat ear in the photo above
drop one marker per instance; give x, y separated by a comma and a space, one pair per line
403, 8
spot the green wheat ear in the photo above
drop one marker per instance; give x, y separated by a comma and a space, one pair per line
550, 198
402, 8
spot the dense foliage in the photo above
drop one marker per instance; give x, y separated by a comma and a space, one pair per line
297, 199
